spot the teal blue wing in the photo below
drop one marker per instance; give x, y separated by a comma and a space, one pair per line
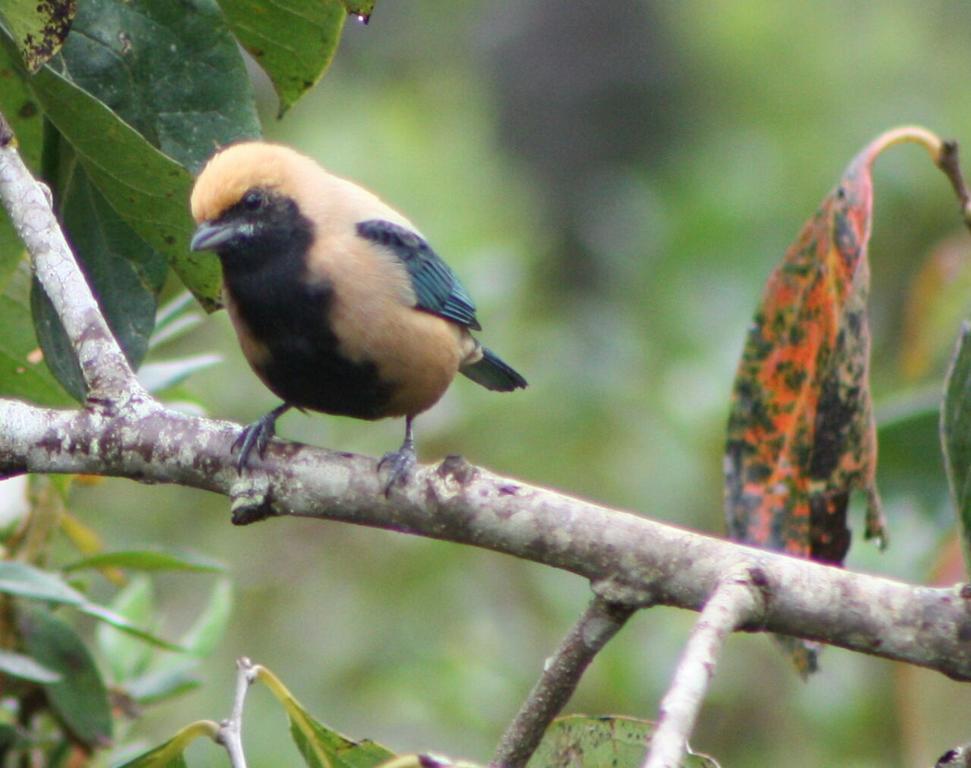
436, 287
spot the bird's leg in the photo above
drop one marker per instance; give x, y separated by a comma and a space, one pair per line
402, 461
258, 435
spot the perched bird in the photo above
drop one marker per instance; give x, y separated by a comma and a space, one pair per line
339, 304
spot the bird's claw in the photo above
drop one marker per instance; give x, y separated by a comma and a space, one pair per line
256, 435
400, 464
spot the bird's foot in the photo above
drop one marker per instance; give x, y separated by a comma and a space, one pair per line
399, 464
256, 435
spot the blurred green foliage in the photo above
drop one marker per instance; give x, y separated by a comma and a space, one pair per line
613, 182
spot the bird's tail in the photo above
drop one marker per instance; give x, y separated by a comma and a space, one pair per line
492, 373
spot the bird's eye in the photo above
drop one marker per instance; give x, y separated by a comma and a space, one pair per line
254, 199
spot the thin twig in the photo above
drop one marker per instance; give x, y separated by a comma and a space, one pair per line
735, 602
561, 673
947, 161
106, 372
231, 730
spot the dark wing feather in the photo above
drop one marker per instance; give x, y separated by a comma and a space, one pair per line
437, 288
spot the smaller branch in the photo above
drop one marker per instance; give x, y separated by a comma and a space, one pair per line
561, 674
736, 601
231, 730
947, 161
106, 372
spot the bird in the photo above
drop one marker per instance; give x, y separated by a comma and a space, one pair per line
339, 303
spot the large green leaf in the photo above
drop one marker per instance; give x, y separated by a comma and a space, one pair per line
124, 273
956, 434
578, 741
79, 698
148, 190
170, 70
19, 106
38, 27
293, 40
23, 374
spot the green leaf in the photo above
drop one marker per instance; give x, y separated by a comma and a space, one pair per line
19, 106
164, 374
294, 41
27, 581
26, 668
9, 737
169, 754
150, 560
54, 343
909, 435
148, 190
23, 374
121, 623
172, 71
124, 273
578, 741
80, 698
163, 684
126, 656
204, 636
320, 746
38, 27
174, 318
956, 434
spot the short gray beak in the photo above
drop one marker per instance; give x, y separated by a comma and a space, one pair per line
210, 236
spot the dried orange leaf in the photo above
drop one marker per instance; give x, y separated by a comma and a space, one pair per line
801, 432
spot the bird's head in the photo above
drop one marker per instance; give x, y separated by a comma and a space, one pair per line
246, 200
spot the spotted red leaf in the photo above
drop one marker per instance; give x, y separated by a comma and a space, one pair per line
801, 433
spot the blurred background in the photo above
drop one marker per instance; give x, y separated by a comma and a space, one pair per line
613, 182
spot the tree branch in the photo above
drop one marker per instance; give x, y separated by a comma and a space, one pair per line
629, 559
736, 601
561, 674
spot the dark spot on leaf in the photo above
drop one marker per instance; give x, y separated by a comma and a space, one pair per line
169, 240
58, 15
27, 109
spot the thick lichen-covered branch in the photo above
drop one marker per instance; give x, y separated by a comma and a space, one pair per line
629, 559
